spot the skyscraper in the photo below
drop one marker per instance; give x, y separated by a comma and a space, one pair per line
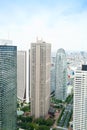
80, 100
52, 74
21, 75
61, 75
40, 62
8, 87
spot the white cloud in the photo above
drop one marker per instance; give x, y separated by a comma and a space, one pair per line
66, 31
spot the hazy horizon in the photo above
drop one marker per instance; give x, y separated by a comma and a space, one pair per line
61, 23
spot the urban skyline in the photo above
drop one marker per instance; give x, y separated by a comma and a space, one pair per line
43, 64
37, 64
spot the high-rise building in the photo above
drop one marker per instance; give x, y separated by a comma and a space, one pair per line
40, 61
61, 75
52, 74
80, 99
23, 75
29, 93
8, 87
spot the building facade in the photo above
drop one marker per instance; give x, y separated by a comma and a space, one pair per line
80, 100
8, 87
52, 75
21, 75
61, 75
40, 61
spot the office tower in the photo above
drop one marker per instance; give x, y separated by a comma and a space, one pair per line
61, 75
40, 57
28, 76
23, 75
8, 87
80, 99
52, 74
29, 93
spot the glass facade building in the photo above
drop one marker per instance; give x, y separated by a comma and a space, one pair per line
61, 75
8, 87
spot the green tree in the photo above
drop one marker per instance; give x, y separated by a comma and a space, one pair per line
25, 118
17, 105
54, 128
43, 127
29, 119
40, 121
25, 108
22, 125
31, 126
49, 122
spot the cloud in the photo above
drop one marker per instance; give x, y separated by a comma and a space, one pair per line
64, 25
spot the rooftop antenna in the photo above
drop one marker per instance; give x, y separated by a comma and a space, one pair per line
39, 40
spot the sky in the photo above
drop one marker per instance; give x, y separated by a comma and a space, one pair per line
63, 23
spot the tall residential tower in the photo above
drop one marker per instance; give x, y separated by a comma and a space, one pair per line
40, 61
61, 75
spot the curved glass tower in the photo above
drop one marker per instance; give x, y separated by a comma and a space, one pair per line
61, 75
8, 87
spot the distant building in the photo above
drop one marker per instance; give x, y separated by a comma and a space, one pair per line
80, 99
52, 78
23, 75
52, 111
5, 42
40, 56
28, 78
61, 75
52, 75
69, 90
8, 87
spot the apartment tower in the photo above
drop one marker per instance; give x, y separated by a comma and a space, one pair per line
80, 99
40, 61
61, 75
8, 87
